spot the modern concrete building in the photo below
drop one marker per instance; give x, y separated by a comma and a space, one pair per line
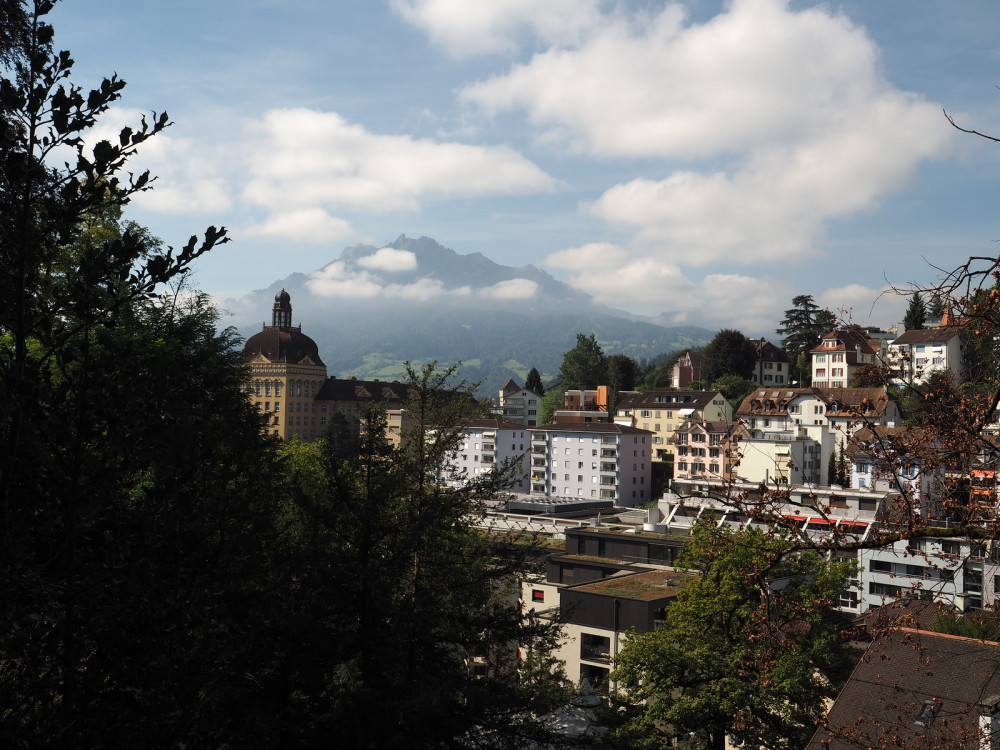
592, 460
489, 445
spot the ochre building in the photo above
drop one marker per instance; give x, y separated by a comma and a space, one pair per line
286, 373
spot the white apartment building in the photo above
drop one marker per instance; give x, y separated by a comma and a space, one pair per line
592, 460
916, 355
488, 444
518, 405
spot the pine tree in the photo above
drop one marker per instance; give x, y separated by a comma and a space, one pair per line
533, 382
916, 313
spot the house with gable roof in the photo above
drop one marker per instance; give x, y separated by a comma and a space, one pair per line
771, 366
917, 689
916, 355
661, 412
841, 353
704, 450
519, 405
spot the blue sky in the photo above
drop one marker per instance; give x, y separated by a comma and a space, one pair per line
703, 159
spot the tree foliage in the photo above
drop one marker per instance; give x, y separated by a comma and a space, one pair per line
745, 650
803, 326
404, 591
584, 366
533, 382
916, 313
729, 353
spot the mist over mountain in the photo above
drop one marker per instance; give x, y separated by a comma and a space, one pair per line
372, 308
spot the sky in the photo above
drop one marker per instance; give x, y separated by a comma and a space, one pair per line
700, 159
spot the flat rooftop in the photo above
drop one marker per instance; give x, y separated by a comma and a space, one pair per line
654, 584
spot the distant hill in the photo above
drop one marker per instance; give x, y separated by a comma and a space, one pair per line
372, 308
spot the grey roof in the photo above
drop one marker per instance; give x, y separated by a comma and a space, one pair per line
906, 673
929, 335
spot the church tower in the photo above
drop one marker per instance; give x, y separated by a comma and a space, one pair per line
286, 372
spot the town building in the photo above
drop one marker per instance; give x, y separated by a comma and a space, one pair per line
687, 370
918, 354
345, 400
518, 405
661, 412
286, 373
705, 450
605, 584
489, 445
771, 366
841, 353
592, 460
917, 689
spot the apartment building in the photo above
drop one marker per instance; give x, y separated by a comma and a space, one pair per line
592, 460
661, 412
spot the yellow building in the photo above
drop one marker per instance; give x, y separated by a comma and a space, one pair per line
286, 373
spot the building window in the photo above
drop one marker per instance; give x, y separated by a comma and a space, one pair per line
537, 595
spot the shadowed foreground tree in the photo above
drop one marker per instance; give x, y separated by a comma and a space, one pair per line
745, 650
415, 609
729, 353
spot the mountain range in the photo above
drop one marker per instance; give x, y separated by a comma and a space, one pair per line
371, 309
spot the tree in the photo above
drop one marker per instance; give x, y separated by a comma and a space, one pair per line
551, 403
916, 313
133, 474
745, 650
583, 366
870, 375
404, 591
935, 309
734, 388
729, 353
533, 382
803, 326
623, 371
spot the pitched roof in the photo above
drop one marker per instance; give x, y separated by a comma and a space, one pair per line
855, 402
767, 352
621, 429
929, 335
848, 339
489, 423
914, 689
350, 389
668, 400
510, 385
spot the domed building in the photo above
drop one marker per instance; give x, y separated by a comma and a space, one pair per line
286, 373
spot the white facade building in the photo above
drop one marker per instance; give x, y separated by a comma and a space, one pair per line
597, 460
486, 445
918, 354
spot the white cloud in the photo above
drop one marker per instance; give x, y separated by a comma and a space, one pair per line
592, 255
389, 259
489, 26
864, 305
788, 112
312, 225
511, 289
337, 280
309, 158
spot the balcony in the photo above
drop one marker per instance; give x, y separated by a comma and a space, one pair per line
609, 468
609, 453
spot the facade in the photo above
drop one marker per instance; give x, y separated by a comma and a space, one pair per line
488, 444
662, 412
286, 373
840, 354
347, 399
519, 405
956, 571
605, 584
596, 460
771, 366
793, 434
917, 354
879, 460
687, 370
705, 450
